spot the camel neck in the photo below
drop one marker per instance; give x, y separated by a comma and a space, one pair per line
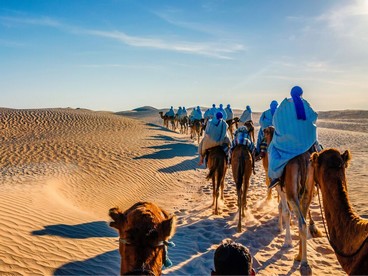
342, 221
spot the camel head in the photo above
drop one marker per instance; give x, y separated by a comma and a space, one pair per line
330, 158
144, 230
330, 163
268, 133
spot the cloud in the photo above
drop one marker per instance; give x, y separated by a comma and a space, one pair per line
219, 50
42, 21
349, 21
209, 49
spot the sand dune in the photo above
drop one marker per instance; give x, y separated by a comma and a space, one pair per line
62, 169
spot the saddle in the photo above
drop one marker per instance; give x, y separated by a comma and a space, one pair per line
303, 160
224, 147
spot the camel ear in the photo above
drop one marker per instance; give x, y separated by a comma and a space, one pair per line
314, 159
346, 157
117, 217
168, 227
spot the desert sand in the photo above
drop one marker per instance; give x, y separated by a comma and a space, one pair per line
63, 169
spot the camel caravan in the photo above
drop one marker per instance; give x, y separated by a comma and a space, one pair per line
145, 229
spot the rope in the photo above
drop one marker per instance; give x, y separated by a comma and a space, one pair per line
337, 251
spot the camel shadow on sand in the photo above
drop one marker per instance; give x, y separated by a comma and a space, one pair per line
107, 263
158, 127
186, 165
168, 151
95, 229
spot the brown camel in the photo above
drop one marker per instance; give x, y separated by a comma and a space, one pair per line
144, 233
296, 193
217, 165
167, 120
196, 130
184, 122
268, 134
348, 232
231, 124
242, 165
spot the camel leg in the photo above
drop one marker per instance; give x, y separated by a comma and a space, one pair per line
240, 210
300, 209
269, 191
217, 193
213, 192
222, 189
245, 191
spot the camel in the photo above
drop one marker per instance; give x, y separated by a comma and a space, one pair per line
196, 130
268, 134
231, 124
348, 232
296, 193
167, 120
144, 233
217, 166
242, 165
184, 122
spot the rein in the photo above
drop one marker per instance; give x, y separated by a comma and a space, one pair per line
166, 244
337, 251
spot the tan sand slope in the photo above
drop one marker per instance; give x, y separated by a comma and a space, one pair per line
62, 169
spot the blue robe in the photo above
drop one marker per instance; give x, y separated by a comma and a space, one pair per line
264, 121
292, 136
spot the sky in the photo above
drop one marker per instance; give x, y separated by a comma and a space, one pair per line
118, 55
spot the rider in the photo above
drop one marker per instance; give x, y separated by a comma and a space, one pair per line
247, 115
242, 137
295, 133
196, 114
215, 135
170, 113
265, 121
183, 112
222, 110
180, 110
229, 112
213, 111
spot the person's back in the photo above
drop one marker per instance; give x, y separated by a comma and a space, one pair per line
265, 121
295, 132
247, 115
171, 112
213, 111
197, 114
229, 113
232, 258
222, 110
207, 114
184, 112
180, 111
215, 135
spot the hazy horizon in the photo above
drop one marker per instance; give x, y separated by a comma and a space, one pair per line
118, 55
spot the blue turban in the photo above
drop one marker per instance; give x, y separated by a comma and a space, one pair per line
213, 105
273, 106
221, 105
296, 93
219, 115
248, 108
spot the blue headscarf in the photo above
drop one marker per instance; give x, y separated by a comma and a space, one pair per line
248, 108
273, 106
296, 93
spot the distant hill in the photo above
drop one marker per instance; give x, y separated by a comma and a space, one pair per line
343, 114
